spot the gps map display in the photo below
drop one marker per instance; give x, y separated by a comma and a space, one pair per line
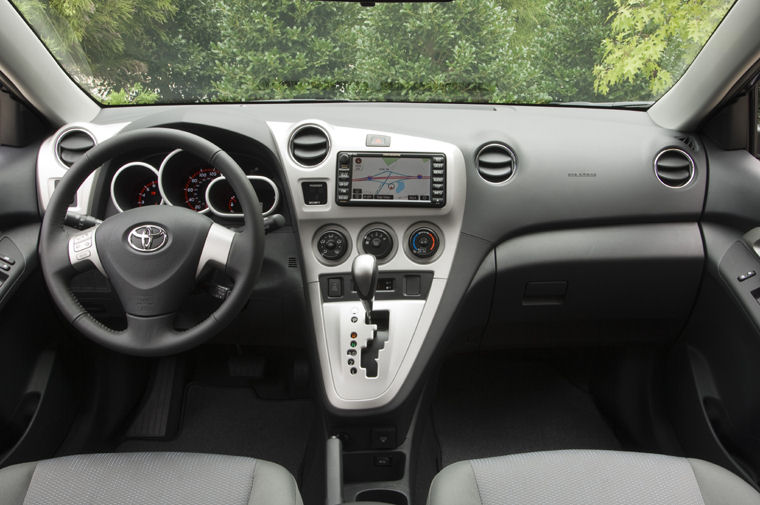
388, 178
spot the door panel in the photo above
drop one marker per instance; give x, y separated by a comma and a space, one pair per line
715, 377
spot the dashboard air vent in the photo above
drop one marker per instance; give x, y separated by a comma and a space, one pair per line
72, 144
674, 167
496, 162
309, 145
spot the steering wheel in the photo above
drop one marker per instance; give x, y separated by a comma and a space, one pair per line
152, 256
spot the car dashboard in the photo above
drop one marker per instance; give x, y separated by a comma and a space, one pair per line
531, 218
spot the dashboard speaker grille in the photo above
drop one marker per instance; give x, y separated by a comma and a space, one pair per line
674, 167
309, 145
496, 162
72, 144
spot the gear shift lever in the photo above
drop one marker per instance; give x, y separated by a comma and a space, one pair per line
364, 271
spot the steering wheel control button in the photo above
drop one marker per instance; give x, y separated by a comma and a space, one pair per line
82, 245
314, 193
4, 267
84, 254
6, 259
424, 243
332, 245
146, 238
378, 243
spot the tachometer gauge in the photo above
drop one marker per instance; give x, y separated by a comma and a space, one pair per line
195, 188
135, 185
232, 205
149, 194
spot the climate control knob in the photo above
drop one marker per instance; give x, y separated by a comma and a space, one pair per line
424, 242
378, 243
332, 245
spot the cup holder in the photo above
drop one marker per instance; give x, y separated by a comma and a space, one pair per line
388, 496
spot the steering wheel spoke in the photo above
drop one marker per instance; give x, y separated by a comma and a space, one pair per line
216, 249
149, 330
83, 251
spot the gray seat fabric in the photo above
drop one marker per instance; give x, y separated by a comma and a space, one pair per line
148, 478
585, 477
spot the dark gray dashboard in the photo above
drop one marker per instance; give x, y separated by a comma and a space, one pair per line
586, 196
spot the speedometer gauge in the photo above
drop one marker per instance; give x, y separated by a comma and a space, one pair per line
195, 188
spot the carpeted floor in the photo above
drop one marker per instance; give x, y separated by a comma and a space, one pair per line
233, 420
486, 407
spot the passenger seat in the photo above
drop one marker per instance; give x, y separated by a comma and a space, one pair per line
589, 477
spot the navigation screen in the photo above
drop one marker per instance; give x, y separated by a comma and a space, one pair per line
389, 178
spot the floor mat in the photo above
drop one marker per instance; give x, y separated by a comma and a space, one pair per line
227, 420
489, 408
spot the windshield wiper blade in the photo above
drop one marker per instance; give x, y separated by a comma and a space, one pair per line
608, 105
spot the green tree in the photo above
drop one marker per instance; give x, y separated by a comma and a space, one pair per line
275, 50
101, 43
652, 42
458, 51
567, 44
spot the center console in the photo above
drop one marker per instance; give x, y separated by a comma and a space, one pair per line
397, 198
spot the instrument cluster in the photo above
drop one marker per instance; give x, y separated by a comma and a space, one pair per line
182, 179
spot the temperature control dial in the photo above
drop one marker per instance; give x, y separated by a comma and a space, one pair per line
378, 243
332, 245
424, 242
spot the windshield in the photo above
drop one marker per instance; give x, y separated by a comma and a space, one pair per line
620, 52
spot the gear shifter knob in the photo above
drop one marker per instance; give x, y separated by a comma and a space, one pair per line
364, 271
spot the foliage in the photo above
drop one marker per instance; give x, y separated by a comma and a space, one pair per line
459, 51
283, 49
568, 45
653, 42
149, 51
135, 95
102, 40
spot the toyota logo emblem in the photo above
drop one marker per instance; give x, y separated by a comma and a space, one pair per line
147, 238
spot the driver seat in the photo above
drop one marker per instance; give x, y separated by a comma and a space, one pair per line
148, 478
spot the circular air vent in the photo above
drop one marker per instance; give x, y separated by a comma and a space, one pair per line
496, 162
674, 167
72, 144
309, 145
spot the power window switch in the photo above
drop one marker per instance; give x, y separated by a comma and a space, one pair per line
746, 275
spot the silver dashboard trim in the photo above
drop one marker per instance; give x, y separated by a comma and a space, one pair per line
120, 171
161, 170
367, 393
49, 169
240, 215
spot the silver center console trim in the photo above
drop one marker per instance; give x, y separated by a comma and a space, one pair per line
50, 170
409, 320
